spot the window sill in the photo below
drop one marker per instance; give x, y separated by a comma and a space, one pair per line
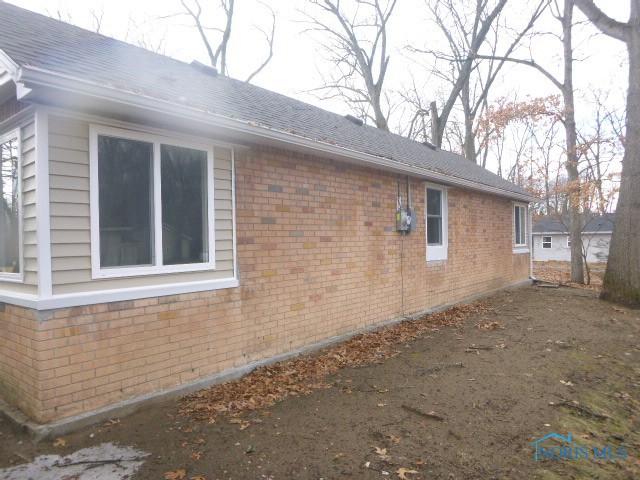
519, 250
116, 295
435, 261
143, 271
12, 277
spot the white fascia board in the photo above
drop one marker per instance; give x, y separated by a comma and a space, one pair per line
32, 76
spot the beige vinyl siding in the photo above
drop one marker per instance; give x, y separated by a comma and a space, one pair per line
71, 223
29, 241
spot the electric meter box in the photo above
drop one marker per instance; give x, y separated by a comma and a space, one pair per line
405, 220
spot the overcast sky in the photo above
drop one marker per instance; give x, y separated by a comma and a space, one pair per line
299, 59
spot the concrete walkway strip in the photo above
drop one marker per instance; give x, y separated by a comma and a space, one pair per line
103, 462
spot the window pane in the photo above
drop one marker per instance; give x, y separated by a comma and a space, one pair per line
434, 230
434, 202
523, 227
516, 217
9, 216
125, 173
184, 205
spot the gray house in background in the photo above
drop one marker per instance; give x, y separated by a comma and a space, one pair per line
551, 238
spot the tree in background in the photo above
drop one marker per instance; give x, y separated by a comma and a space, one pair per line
217, 50
467, 28
563, 13
622, 277
532, 126
356, 43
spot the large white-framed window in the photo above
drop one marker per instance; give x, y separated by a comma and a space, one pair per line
152, 204
11, 262
437, 224
520, 226
546, 241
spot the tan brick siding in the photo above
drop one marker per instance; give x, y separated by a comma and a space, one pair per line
318, 257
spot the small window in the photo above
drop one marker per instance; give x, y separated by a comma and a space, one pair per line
546, 242
10, 210
436, 223
568, 241
520, 225
152, 204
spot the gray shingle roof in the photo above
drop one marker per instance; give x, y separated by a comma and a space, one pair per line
555, 224
34, 40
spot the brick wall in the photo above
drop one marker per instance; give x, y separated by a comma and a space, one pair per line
318, 257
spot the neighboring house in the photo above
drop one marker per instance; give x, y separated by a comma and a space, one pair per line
177, 225
551, 238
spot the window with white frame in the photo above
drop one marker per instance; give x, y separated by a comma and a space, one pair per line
151, 204
568, 241
520, 225
10, 207
436, 223
546, 242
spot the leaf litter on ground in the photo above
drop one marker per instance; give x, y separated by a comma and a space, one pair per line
270, 384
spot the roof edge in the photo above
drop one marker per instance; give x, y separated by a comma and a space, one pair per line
586, 232
30, 75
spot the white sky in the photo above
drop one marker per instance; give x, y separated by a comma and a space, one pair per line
298, 59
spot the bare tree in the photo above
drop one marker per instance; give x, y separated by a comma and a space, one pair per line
357, 47
218, 51
622, 277
564, 15
467, 28
600, 147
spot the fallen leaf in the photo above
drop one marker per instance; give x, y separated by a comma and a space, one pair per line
179, 474
394, 439
243, 423
270, 384
198, 477
60, 442
382, 453
196, 455
403, 472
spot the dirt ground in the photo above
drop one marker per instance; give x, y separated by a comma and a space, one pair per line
560, 272
457, 403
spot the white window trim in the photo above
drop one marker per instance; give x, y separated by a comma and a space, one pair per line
436, 253
520, 247
116, 272
550, 242
16, 277
569, 241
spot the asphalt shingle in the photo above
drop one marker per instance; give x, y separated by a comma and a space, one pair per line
555, 224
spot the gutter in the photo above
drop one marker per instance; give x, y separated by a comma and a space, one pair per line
41, 77
567, 233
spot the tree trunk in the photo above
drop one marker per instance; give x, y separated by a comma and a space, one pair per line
622, 277
469, 136
436, 138
575, 220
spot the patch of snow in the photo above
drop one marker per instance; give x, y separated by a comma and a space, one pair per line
103, 462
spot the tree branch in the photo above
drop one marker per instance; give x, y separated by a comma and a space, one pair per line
529, 63
603, 22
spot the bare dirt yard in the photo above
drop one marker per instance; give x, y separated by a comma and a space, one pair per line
460, 396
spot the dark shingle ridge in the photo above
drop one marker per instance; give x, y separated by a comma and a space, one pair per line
61, 48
